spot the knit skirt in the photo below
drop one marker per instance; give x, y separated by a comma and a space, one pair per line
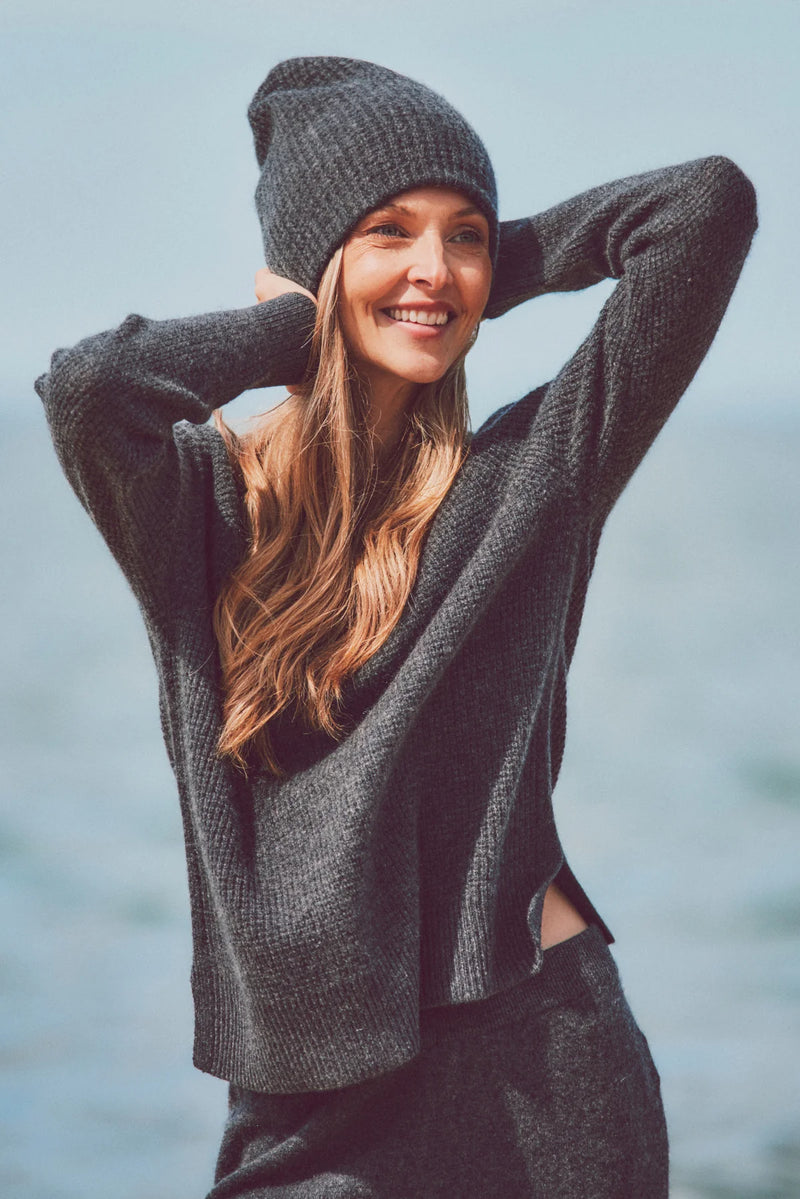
547, 1090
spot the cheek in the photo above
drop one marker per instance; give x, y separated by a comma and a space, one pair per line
477, 287
348, 322
359, 288
365, 277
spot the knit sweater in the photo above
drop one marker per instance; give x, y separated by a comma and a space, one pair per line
404, 866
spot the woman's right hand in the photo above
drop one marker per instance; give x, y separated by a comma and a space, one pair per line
269, 286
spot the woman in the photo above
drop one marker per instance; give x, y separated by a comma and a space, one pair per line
362, 620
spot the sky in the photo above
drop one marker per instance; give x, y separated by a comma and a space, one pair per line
129, 169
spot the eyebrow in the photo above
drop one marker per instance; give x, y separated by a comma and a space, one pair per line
470, 210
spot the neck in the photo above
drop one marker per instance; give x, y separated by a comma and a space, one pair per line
389, 402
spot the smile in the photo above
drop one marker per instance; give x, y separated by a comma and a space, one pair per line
416, 316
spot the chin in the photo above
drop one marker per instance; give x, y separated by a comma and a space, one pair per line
423, 378
425, 372
402, 371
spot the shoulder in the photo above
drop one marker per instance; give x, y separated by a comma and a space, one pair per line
511, 423
216, 477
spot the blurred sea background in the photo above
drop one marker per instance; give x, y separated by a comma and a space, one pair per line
679, 800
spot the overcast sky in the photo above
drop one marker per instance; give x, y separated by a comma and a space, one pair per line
129, 169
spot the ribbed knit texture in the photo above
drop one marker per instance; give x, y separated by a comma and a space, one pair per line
337, 137
547, 1090
406, 866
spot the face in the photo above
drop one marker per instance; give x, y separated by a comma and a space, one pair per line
414, 281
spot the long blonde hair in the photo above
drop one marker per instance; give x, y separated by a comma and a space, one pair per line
334, 545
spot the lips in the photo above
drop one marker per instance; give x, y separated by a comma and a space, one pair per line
420, 316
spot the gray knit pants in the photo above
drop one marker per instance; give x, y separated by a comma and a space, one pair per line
547, 1090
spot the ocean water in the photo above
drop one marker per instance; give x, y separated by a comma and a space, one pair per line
679, 805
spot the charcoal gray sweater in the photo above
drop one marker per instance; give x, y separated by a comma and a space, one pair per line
405, 866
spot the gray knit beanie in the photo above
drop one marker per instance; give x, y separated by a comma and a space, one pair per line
337, 137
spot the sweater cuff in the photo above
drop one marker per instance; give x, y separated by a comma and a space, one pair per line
519, 267
281, 332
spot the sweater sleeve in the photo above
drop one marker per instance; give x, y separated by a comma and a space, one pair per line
676, 240
118, 404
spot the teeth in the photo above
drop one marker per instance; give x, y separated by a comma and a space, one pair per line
418, 318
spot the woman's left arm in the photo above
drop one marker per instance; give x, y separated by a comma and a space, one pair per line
676, 240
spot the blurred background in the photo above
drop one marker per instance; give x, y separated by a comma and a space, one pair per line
127, 187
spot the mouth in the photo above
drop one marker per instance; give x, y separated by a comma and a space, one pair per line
422, 317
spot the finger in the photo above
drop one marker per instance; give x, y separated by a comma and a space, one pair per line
264, 287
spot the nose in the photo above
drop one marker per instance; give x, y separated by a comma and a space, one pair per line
429, 262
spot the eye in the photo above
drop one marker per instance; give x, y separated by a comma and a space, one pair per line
388, 229
473, 236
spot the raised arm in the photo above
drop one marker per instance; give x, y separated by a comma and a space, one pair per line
116, 403
676, 240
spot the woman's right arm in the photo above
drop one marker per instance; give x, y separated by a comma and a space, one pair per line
115, 403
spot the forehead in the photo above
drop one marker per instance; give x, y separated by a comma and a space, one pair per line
430, 201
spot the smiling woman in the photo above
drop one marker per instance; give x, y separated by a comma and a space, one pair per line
363, 617
369, 445
415, 278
